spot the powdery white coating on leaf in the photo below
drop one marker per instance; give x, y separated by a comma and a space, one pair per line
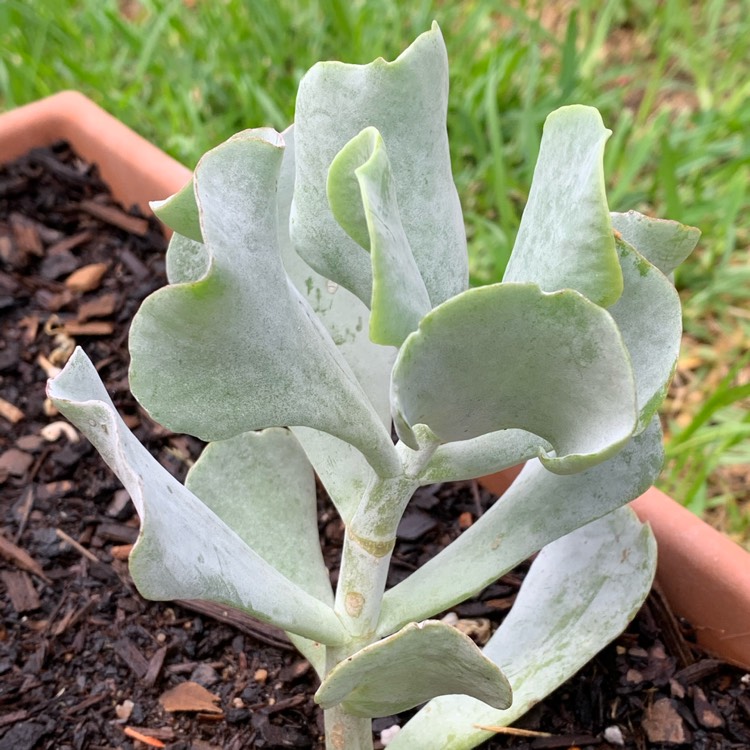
664, 243
486, 454
406, 100
649, 317
399, 296
240, 349
511, 356
184, 551
579, 594
341, 468
538, 508
421, 661
565, 239
263, 487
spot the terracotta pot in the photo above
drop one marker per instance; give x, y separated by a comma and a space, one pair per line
705, 576
135, 169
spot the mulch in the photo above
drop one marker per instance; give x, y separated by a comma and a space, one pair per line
85, 662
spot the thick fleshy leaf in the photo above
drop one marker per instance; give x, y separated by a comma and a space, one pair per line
419, 662
579, 595
345, 318
664, 243
341, 467
406, 100
187, 260
184, 551
239, 349
180, 212
511, 356
565, 240
399, 296
649, 317
538, 508
483, 455
263, 487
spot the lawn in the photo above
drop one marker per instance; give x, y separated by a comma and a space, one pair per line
670, 78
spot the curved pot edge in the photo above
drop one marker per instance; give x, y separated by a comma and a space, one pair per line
135, 169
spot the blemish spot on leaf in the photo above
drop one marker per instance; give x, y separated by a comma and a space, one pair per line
353, 603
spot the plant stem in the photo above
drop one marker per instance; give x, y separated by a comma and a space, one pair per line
347, 732
366, 555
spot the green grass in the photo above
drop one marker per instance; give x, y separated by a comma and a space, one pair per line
670, 78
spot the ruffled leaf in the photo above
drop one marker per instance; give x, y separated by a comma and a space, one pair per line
263, 487
649, 317
406, 100
580, 594
664, 243
538, 508
565, 240
184, 551
551, 364
399, 296
410, 667
239, 349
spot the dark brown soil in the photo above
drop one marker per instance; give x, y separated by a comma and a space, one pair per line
84, 660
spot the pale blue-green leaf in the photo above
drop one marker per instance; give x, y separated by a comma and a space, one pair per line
184, 551
579, 595
240, 349
263, 487
511, 356
419, 662
664, 243
399, 296
537, 509
187, 260
649, 317
341, 467
486, 454
345, 318
343, 187
313, 651
180, 212
565, 240
406, 100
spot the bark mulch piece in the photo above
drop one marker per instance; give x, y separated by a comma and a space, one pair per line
86, 663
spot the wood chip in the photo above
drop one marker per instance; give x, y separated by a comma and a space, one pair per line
10, 412
116, 217
99, 307
144, 738
20, 590
131, 655
93, 328
15, 462
190, 696
26, 235
20, 557
87, 278
121, 551
155, 664
69, 243
706, 713
663, 723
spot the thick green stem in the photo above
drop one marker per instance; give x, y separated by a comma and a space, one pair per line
366, 555
347, 732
